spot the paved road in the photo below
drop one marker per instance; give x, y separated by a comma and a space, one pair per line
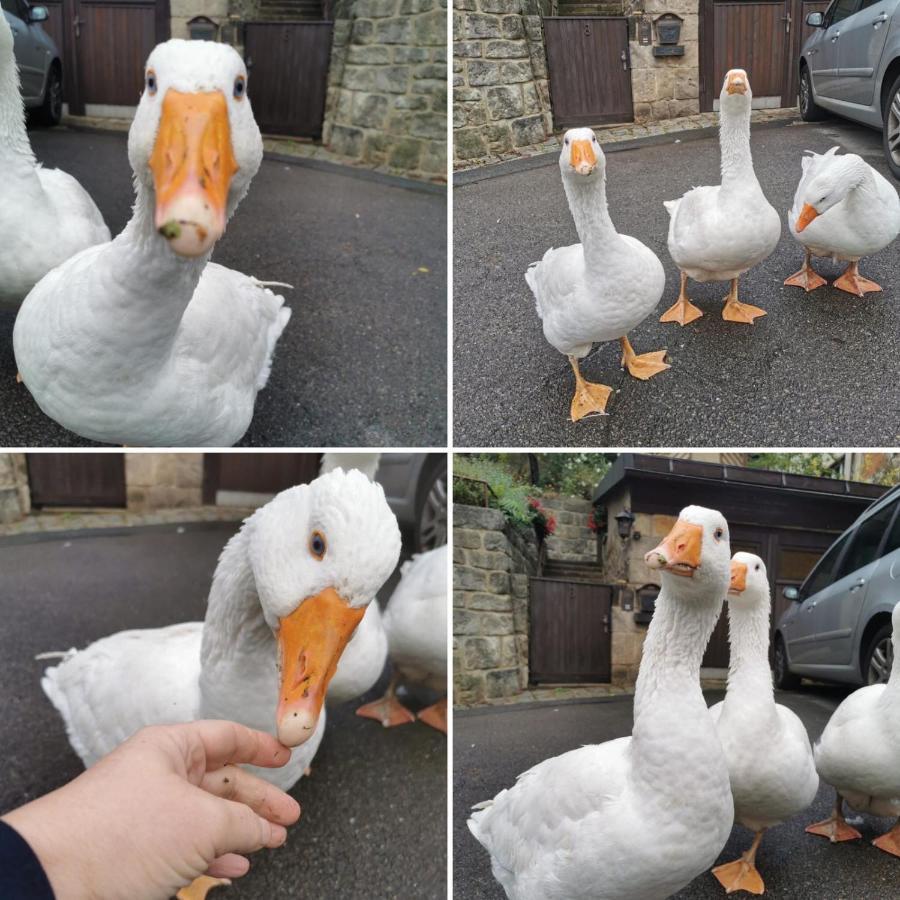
491, 747
363, 359
374, 809
817, 370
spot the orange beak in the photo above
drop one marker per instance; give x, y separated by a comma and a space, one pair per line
679, 553
807, 214
735, 83
738, 578
583, 157
310, 643
192, 165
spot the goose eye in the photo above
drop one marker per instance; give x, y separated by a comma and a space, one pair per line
240, 87
317, 545
756, 567
151, 82
718, 534
566, 142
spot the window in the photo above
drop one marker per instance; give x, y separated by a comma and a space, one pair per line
839, 11
12, 6
866, 541
821, 576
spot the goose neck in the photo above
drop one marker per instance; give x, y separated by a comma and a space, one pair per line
587, 203
749, 675
15, 148
734, 147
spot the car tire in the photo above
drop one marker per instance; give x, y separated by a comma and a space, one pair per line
50, 112
431, 508
785, 679
879, 656
891, 128
810, 111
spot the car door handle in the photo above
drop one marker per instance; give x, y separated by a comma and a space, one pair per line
837, 34
857, 585
879, 19
811, 607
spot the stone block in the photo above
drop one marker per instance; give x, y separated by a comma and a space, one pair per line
499, 137
534, 28
459, 555
468, 143
505, 49
363, 31
412, 7
468, 687
501, 683
469, 579
531, 101
430, 29
478, 517
504, 101
433, 71
428, 125
498, 582
369, 110
643, 85
434, 158
687, 85
467, 49
375, 9
499, 6
394, 31
368, 55
347, 141
412, 103
538, 61
482, 653
489, 602
466, 95
469, 538
508, 655
459, 598
464, 5
487, 72
392, 79
679, 108
512, 28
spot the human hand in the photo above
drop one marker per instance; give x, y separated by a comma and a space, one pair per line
168, 805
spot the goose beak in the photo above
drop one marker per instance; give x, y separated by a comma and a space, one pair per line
735, 83
310, 642
807, 214
192, 165
583, 159
738, 581
679, 553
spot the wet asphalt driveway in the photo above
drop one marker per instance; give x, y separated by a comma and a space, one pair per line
819, 370
374, 808
493, 746
362, 361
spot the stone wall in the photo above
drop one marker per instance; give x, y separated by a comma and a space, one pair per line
666, 87
501, 96
15, 501
163, 480
573, 540
492, 562
387, 86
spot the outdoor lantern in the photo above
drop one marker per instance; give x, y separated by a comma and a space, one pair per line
624, 521
668, 33
202, 28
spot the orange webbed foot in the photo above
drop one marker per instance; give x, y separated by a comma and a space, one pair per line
854, 283
681, 311
835, 829
388, 710
740, 875
807, 278
200, 887
435, 715
735, 311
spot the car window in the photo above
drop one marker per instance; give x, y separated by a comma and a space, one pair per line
866, 541
11, 6
866, 4
840, 10
821, 575
892, 542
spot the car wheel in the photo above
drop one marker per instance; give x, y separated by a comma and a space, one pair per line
890, 137
810, 111
431, 510
879, 656
51, 111
785, 679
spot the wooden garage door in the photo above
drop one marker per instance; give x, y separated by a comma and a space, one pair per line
570, 631
589, 68
76, 479
256, 473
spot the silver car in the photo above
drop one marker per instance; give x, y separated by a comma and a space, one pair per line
40, 68
850, 65
839, 626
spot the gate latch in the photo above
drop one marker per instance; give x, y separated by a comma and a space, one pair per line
587, 29
624, 57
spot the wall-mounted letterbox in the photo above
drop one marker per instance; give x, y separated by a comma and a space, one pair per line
668, 33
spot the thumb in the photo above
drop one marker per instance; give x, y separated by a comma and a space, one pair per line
237, 829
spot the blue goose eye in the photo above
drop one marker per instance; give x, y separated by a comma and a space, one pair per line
151, 82
317, 544
240, 87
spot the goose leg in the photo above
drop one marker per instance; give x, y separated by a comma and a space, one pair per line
682, 310
835, 827
890, 840
590, 399
200, 887
807, 277
735, 311
435, 715
388, 710
644, 366
853, 283
742, 874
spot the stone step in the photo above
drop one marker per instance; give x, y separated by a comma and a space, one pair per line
577, 571
590, 9
299, 9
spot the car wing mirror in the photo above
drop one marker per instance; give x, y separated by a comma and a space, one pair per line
815, 20
38, 14
791, 593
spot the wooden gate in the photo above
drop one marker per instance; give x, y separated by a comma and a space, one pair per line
763, 37
104, 45
570, 631
256, 473
590, 70
288, 75
76, 479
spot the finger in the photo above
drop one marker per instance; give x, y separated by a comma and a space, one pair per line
228, 742
266, 800
231, 865
237, 829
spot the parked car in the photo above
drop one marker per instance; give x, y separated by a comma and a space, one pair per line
40, 67
838, 627
415, 485
850, 65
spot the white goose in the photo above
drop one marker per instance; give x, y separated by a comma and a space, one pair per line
143, 341
769, 756
635, 818
46, 216
859, 755
718, 233
289, 590
416, 626
600, 289
844, 209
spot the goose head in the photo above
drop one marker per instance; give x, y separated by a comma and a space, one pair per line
581, 155
694, 559
736, 96
194, 145
319, 553
749, 584
829, 187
